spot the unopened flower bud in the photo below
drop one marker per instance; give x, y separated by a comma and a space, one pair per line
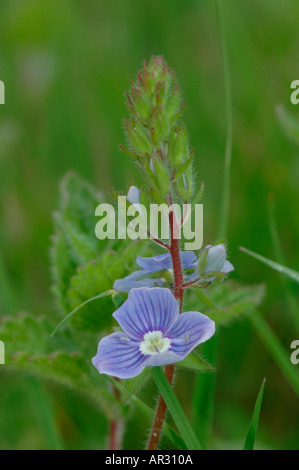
183, 185
213, 262
141, 103
158, 176
178, 147
159, 125
173, 102
133, 195
138, 138
216, 258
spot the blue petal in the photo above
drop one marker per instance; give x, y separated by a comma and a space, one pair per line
119, 356
191, 329
188, 259
164, 262
227, 267
145, 310
134, 195
155, 263
215, 258
135, 280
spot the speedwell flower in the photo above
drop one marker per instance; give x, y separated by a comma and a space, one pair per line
151, 266
154, 334
213, 261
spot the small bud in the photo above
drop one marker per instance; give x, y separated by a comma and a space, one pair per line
141, 103
183, 185
155, 67
158, 176
216, 258
138, 138
172, 103
212, 264
133, 195
159, 125
160, 94
178, 147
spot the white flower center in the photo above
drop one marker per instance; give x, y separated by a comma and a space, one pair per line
154, 343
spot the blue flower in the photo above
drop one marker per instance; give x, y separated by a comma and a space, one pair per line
150, 266
133, 195
216, 260
211, 261
154, 334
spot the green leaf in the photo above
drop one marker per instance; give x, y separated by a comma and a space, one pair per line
232, 299
90, 282
184, 167
175, 409
250, 439
204, 299
195, 362
71, 371
272, 264
81, 269
131, 386
29, 349
276, 350
104, 294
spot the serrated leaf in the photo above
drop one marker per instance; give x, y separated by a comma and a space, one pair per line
29, 349
89, 282
69, 316
195, 362
71, 371
81, 269
232, 299
131, 386
204, 298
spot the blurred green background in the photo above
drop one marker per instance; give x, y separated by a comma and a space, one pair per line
66, 65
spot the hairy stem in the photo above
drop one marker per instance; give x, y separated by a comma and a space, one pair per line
115, 427
174, 250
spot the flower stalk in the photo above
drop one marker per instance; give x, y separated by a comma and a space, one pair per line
169, 370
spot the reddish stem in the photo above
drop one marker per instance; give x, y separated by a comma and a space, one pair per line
174, 250
112, 435
114, 426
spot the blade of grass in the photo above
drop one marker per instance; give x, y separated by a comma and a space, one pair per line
276, 350
204, 394
205, 386
223, 220
7, 298
291, 299
250, 439
291, 273
44, 414
175, 410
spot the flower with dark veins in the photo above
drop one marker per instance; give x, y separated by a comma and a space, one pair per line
154, 334
150, 266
